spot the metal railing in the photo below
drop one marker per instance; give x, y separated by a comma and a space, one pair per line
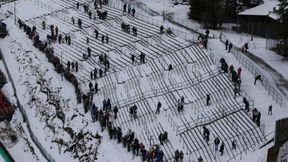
270, 87
155, 22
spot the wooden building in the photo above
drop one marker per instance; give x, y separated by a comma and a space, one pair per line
260, 20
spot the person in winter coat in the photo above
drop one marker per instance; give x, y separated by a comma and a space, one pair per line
216, 143
165, 136
159, 156
221, 150
161, 29
87, 40
102, 38
246, 103
68, 65
230, 47
133, 58
72, 65
133, 12
129, 8
90, 86
258, 77
43, 25
236, 91
93, 112
95, 73
124, 7
76, 66
181, 156
161, 138
96, 87
119, 134
270, 110
77, 5
96, 33
239, 70
234, 145
179, 105
115, 110
73, 20
108, 104
80, 23
226, 44
107, 38
91, 74
90, 14
143, 154
69, 40
170, 67
200, 159
231, 69
89, 51
158, 108
100, 73
177, 156
208, 100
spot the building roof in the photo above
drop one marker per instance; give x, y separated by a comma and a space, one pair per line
266, 9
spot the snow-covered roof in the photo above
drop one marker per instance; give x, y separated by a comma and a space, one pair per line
266, 9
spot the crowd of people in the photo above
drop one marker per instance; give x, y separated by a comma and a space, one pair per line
126, 28
103, 115
128, 140
130, 9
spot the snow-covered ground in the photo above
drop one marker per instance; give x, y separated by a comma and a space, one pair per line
67, 133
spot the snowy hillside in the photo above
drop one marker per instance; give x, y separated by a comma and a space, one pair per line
108, 87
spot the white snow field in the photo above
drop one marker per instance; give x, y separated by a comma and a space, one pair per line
66, 133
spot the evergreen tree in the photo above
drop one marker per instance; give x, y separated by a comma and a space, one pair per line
208, 12
282, 11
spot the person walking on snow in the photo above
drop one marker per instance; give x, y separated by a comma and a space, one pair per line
239, 70
258, 77
236, 91
200, 159
133, 58
96, 87
270, 110
129, 8
90, 86
222, 149
230, 47
246, 103
96, 33
124, 7
161, 29
158, 108
234, 145
216, 143
76, 66
226, 44
89, 51
107, 38
208, 100
115, 110
103, 38
133, 12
